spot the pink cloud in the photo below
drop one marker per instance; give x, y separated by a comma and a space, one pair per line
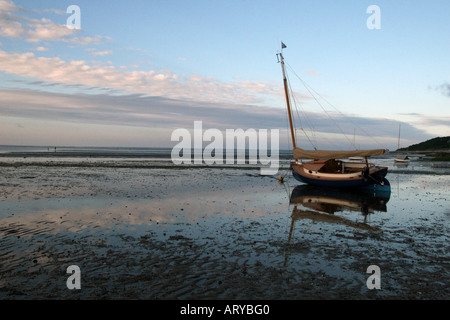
37, 30
149, 82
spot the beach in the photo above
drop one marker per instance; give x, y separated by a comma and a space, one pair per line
151, 230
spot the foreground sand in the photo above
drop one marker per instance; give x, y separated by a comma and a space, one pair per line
165, 233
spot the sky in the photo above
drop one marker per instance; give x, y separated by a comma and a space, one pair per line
134, 71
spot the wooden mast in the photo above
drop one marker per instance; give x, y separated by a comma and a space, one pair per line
287, 101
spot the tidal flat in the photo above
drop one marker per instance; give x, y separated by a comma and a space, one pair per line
217, 233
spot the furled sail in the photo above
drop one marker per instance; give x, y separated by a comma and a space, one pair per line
325, 154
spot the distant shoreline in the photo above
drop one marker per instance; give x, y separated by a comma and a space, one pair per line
438, 145
437, 155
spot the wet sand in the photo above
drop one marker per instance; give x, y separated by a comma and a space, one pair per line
212, 233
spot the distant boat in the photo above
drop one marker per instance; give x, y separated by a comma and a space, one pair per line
326, 169
401, 159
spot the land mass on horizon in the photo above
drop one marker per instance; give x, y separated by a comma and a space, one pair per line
435, 144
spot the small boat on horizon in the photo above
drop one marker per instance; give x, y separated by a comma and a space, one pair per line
326, 169
402, 159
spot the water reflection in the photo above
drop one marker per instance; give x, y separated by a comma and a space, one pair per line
320, 204
401, 164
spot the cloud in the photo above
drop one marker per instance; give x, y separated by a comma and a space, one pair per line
422, 119
444, 88
9, 27
133, 110
55, 11
161, 113
101, 53
45, 30
37, 30
432, 121
8, 5
313, 73
149, 82
86, 40
41, 49
410, 114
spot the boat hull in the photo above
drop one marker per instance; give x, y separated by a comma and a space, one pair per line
339, 180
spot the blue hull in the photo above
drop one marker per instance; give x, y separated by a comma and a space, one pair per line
378, 176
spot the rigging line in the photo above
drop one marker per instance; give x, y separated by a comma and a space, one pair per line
326, 112
312, 140
311, 128
302, 127
329, 103
300, 119
293, 97
355, 124
308, 123
330, 142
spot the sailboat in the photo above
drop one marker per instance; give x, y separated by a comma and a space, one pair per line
326, 168
355, 159
401, 159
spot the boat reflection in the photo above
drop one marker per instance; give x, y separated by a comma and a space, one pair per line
401, 164
321, 204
